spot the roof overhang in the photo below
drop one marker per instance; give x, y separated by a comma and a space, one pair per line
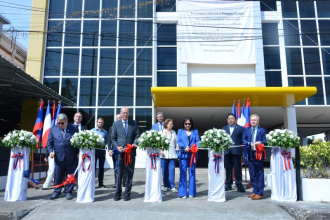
224, 96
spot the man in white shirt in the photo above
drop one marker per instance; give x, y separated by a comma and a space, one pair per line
77, 118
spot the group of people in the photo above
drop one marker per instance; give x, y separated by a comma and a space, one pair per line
121, 141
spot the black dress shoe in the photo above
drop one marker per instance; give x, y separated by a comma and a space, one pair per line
240, 189
127, 198
116, 198
102, 186
55, 195
227, 188
114, 187
68, 196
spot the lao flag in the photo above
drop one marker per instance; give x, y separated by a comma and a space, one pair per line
37, 129
247, 114
53, 114
233, 111
238, 112
47, 126
242, 120
58, 112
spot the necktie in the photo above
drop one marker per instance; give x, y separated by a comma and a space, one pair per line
63, 133
253, 132
160, 126
125, 127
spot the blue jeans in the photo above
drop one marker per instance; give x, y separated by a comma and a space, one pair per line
168, 170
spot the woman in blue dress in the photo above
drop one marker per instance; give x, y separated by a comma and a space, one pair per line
187, 137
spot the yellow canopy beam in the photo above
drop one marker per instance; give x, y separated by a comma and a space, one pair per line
224, 96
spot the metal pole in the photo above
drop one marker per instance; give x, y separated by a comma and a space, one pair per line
298, 176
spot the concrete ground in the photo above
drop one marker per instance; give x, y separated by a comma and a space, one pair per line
237, 206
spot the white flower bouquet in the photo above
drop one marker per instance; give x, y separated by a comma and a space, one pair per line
216, 139
283, 138
154, 139
20, 138
88, 139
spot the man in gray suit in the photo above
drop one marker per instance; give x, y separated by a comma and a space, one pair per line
123, 132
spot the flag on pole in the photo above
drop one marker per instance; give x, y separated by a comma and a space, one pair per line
37, 129
53, 114
233, 111
241, 121
247, 114
47, 126
238, 112
58, 112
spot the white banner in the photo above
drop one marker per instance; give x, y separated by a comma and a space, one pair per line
216, 32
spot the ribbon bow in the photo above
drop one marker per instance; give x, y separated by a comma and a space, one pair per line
84, 156
259, 149
194, 149
217, 161
127, 157
286, 154
26, 174
247, 153
70, 179
18, 157
115, 153
153, 157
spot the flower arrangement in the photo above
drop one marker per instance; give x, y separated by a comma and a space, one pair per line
283, 138
20, 138
154, 139
87, 139
216, 139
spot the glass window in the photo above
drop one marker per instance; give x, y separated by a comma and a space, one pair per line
91, 33
165, 5
108, 115
87, 92
144, 33
108, 32
144, 62
106, 92
127, 9
318, 98
272, 58
297, 81
107, 62
89, 62
144, 118
125, 62
109, 8
327, 89
323, 9
88, 117
291, 33
74, 9
166, 58
270, 34
306, 9
125, 92
72, 33
55, 34
52, 83
289, 9
52, 62
143, 92
126, 33
269, 5
273, 78
312, 61
92, 9
326, 61
144, 9
309, 33
324, 28
167, 79
69, 88
294, 61
56, 9
166, 34
70, 62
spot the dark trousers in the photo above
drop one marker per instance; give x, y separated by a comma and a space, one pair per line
100, 154
129, 170
114, 160
256, 170
233, 161
168, 171
62, 170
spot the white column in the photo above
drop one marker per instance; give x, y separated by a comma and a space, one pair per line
290, 118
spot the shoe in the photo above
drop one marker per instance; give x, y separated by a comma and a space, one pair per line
190, 196
227, 188
257, 197
165, 189
44, 188
251, 195
174, 190
240, 189
184, 197
114, 187
102, 186
116, 198
68, 196
127, 198
55, 195
124, 185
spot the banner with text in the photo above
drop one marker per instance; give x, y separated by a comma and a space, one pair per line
217, 32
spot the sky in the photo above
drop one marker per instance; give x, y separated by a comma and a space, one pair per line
18, 12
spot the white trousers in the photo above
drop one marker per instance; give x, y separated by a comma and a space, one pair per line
50, 173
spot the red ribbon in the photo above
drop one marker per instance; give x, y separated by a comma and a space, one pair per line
18, 158
194, 149
153, 159
288, 155
70, 179
127, 157
259, 149
84, 156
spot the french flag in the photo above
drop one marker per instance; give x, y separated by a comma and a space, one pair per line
37, 129
247, 114
47, 126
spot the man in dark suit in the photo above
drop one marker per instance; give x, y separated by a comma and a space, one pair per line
233, 155
255, 136
123, 132
77, 118
59, 147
